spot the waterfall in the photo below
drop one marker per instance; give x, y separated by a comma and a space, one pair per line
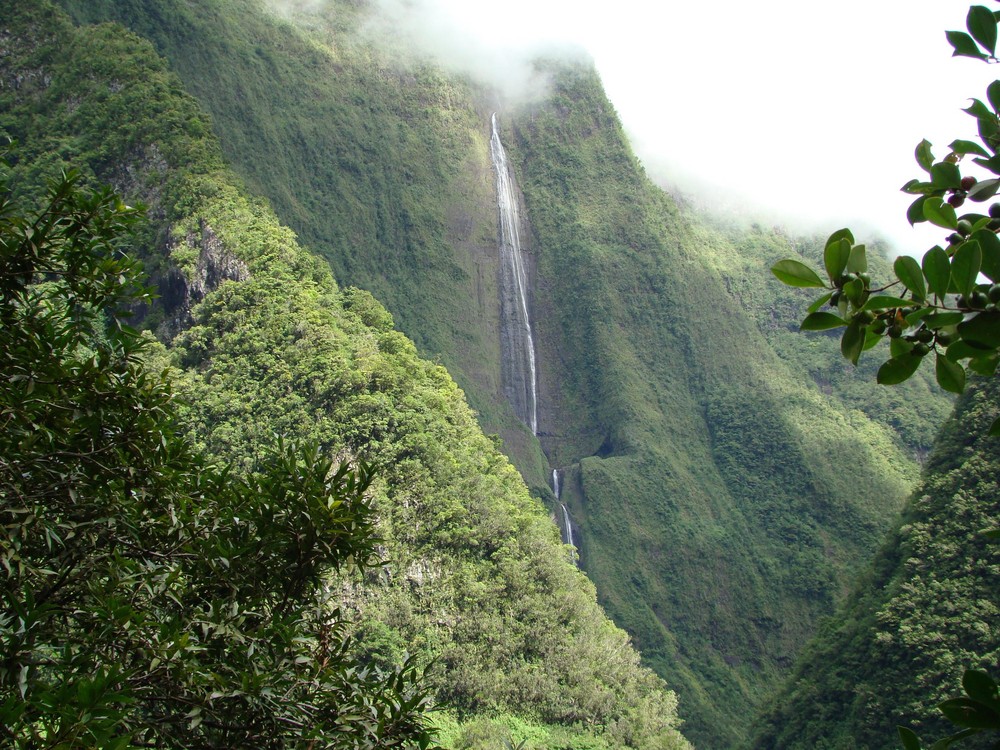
516, 339
567, 526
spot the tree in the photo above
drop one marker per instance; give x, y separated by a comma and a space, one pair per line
947, 304
147, 597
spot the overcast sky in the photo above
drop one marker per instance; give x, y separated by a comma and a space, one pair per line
807, 111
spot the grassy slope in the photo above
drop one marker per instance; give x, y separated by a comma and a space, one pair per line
925, 611
707, 479
474, 574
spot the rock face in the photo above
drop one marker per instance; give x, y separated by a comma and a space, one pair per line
185, 285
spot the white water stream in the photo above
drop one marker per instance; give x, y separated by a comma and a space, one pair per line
567, 525
517, 341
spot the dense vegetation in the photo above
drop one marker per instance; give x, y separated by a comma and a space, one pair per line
714, 523
925, 613
471, 570
149, 597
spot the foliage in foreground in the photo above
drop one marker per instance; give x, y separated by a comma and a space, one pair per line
941, 305
148, 598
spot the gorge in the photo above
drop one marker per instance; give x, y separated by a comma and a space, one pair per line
399, 264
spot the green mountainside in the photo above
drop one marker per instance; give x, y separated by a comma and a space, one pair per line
924, 612
704, 474
474, 575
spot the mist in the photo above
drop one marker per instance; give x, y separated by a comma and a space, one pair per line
805, 115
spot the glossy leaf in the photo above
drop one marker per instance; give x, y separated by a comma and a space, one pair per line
946, 175
995, 432
796, 273
966, 350
819, 302
841, 234
983, 329
835, 257
899, 347
898, 369
885, 302
993, 94
979, 686
915, 213
909, 739
965, 267
908, 271
985, 366
990, 245
855, 291
966, 712
822, 321
950, 375
934, 321
984, 189
852, 342
983, 27
858, 261
940, 213
937, 270
923, 154
968, 147
964, 45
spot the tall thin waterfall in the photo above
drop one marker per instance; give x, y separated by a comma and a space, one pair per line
567, 526
516, 339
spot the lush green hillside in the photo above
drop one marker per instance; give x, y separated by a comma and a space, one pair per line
703, 470
474, 575
925, 612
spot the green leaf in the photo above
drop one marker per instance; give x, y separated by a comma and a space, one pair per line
935, 321
923, 154
915, 213
960, 350
909, 738
855, 291
983, 329
899, 347
885, 302
985, 366
822, 321
993, 94
979, 686
841, 234
968, 147
871, 339
995, 432
983, 27
908, 271
915, 316
898, 369
950, 375
969, 713
857, 262
852, 342
989, 243
985, 189
819, 302
835, 257
963, 45
965, 266
795, 273
939, 213
937, 270
946, 175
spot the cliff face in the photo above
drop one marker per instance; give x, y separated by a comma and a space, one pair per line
704, 472
473, 575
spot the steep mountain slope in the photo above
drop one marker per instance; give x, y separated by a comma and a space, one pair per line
704, 475
925, 612
474, 573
